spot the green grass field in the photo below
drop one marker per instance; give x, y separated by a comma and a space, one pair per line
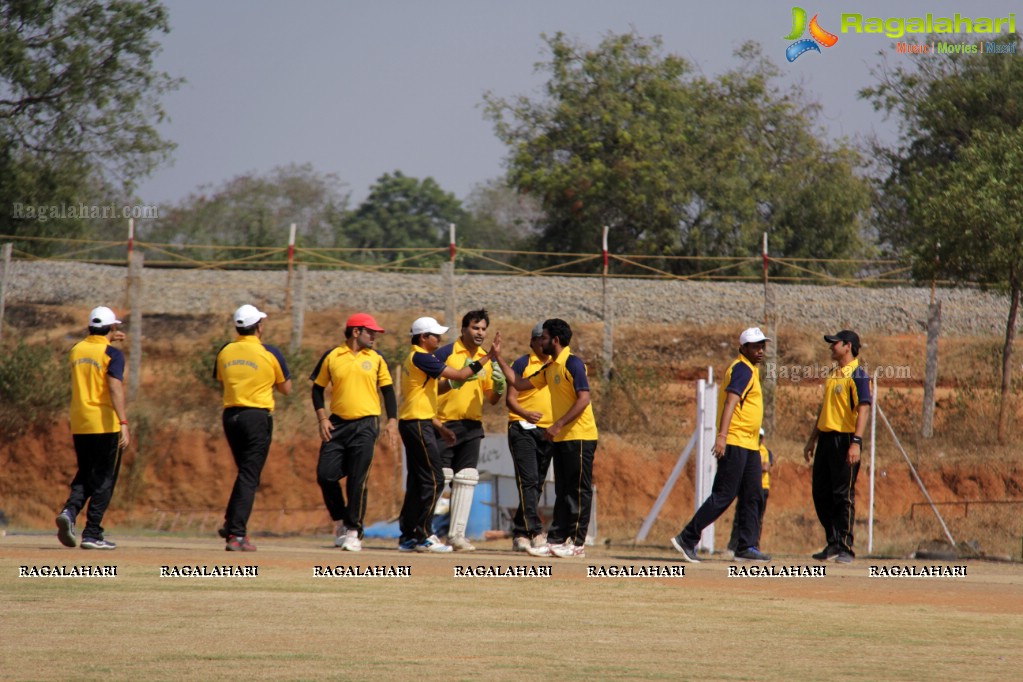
286, 624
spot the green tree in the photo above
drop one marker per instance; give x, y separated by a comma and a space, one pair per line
403, 213
950, 200
79, 103
502, 220
255, 210
675, 163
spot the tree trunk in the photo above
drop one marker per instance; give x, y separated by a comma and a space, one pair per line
1010, 336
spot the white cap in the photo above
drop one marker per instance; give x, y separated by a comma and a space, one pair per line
102, 317
537, 330
752, 335
427, 325
247, 315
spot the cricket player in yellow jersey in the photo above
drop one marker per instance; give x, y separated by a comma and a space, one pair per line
573, 435
348, 431
420, 428
529, 415
460, 408
838, 437
99, 429
737, 448
249, 371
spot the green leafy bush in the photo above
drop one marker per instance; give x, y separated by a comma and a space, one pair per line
34, 385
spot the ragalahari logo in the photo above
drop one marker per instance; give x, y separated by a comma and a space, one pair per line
817, 35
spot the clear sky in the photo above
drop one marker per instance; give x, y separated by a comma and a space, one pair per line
364, 87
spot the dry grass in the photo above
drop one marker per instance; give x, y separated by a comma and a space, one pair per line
286, 625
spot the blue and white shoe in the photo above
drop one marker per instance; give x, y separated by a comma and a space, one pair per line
407, 545
66, 529
688, 553
751, 554
93, 543
432, 544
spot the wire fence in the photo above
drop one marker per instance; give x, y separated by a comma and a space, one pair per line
755, 267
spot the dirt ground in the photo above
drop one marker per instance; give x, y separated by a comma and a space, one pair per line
287, 624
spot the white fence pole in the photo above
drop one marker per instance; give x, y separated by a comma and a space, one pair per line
655, 511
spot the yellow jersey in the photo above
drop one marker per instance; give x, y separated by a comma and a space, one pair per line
466, 401
565, 376
533, 399
249, 370
93, 360
743, 379
845, 390
354, 379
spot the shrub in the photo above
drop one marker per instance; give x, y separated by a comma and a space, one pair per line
34, 386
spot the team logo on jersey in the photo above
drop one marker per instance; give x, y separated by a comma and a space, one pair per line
367, 365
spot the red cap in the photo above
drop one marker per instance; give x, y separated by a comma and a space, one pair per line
365, 321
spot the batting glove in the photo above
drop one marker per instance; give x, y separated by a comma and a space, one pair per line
500, 382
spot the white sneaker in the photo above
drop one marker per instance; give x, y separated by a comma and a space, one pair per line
340, 533
539, 540
520, 544
432, 544
542, 550
567, 550
351, 541
460, 544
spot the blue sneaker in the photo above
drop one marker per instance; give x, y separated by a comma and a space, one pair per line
66, 529
752, 554
93, 543
407, 545
688, 553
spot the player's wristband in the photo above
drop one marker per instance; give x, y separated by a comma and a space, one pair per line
857, 440
475, 366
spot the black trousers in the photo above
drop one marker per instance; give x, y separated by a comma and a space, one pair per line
348, 454
249, 431
99, 461
465, 453
424, 482
733, 540
573, 490
834, 489
739, 474
531, 455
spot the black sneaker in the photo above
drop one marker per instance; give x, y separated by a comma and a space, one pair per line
93, 543
844, 558
752, 554
222, 532
829, 553
688, 553
66, 529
